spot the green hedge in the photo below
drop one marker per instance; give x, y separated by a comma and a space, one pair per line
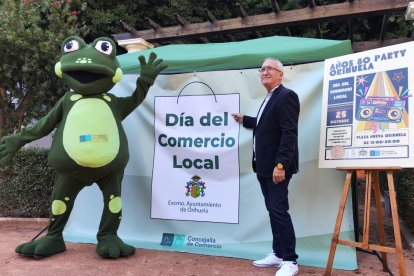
26, 186
404, 188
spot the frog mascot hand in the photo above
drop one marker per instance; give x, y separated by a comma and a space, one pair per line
89, 145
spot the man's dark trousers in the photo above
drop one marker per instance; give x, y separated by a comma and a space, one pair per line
277, 204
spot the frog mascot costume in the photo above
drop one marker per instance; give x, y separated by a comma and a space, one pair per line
89, 145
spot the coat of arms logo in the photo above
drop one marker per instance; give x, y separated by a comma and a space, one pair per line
195, 187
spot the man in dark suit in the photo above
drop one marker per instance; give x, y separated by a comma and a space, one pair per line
275, 160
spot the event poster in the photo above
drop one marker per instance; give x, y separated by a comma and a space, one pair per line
366, 105
196, 161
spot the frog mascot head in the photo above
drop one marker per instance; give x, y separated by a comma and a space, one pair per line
89, 145
80, 73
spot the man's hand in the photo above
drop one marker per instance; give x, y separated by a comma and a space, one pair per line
237, 117
278, 175
152, 68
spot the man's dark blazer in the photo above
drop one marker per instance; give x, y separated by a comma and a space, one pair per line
276, 133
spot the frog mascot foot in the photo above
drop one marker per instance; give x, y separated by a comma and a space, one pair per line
111, 246
43, 247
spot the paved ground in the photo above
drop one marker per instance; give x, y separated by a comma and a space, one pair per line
81, 259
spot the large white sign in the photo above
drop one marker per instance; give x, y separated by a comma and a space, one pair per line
196, 161
365, 109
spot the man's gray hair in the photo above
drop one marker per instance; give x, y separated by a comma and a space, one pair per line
279, 64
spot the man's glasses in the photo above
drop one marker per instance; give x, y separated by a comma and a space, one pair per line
269, 69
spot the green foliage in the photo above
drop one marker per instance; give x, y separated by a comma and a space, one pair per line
26, 187
405, 196
398, 27
104, 18
404, 187
31, 35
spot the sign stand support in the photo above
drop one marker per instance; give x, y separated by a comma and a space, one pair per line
371, 174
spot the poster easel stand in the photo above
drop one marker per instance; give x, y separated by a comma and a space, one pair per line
371, 174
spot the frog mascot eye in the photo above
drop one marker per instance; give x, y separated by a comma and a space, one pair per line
89, 144
104, 47
71, 46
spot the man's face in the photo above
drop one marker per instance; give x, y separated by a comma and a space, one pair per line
270, 76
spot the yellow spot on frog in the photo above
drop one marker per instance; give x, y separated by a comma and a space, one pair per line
83, 60
75, 97
66, 199
115, 204
58, 69
118, 75
58, 207
107, 98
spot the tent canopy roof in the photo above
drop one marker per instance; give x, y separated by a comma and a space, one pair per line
238, 55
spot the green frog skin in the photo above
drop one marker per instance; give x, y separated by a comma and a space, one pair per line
89, 145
